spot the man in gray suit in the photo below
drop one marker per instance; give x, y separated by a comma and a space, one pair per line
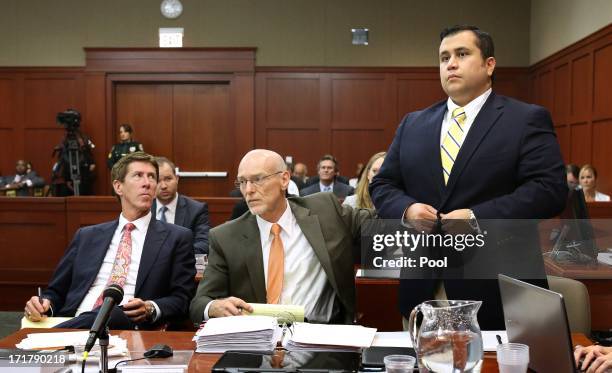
317, 237
328, 170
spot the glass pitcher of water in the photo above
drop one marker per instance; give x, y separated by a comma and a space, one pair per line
449, 339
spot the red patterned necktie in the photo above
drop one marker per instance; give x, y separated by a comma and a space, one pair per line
122, 261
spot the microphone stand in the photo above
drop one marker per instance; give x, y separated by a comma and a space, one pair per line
103, 340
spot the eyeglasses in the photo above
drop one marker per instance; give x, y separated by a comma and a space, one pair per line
256, 181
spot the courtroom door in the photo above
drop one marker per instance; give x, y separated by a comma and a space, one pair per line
190, 123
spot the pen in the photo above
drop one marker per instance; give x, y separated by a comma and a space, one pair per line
499, 340
39, 292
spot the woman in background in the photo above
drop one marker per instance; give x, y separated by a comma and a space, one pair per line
588, 182
125, 146
361, 198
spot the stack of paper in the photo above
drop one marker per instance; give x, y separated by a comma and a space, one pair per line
321, 337
250, 333
44, 341
284, 313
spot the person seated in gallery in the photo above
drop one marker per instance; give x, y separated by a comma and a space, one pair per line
23, 180
588, 183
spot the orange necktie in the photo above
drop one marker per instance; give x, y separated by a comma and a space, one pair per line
276, 267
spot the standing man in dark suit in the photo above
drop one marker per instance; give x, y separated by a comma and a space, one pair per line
327, 170
283, 251
152, 261
476, 155
178, 209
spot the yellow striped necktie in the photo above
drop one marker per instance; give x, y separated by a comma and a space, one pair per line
452, 142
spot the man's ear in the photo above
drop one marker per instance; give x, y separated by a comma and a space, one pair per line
490, 64
118, 186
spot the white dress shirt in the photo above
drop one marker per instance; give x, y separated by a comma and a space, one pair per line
305, 282
471, 111
322, 187
171, 213
138, 236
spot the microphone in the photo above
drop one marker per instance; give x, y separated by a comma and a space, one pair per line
113, 294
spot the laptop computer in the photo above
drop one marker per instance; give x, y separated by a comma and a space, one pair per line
536, 317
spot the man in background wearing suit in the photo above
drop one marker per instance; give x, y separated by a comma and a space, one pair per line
22, 180
152, 261
476, 155
327, 170
178, 209
284, 251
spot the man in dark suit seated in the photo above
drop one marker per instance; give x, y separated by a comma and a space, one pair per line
153, 261
476, 155
22, 180
284, 251
178, 209
327, 170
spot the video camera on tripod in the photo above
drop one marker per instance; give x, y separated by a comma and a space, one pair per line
74, 157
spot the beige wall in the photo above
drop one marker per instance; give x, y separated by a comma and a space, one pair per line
286, 32
555, 24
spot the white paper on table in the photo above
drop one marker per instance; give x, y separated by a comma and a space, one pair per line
237, 324
402, 339
489, 339
392, 339
332, 335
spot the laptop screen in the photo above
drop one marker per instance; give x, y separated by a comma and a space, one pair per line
536, 317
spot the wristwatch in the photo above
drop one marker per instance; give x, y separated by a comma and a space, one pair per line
473, 222
151, 310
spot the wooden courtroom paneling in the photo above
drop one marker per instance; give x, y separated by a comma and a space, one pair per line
219, 208
7, 163
89, 210
602, 150
31, 98
602, 78
581, 95
560, 113
563, 136
586, 66
580, 136
347, 107
148, 108
33, 238
600, 210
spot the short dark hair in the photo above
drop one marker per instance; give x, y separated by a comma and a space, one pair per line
328, 157
163, 160
126, 127
484, 41
120, 168
572, 169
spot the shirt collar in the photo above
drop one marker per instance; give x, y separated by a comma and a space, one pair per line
473, 107
140, 223
322, 186
171, 206
285, 222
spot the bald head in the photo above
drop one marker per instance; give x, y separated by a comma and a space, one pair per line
263, 179
270, 160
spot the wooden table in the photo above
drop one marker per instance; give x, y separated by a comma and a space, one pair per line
143, 340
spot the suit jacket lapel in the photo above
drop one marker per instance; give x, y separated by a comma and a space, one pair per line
310, 226
179, 216
433, 128
100, 243
484, 121
254, 258
156, 235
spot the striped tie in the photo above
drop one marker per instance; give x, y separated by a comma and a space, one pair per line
452, 142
